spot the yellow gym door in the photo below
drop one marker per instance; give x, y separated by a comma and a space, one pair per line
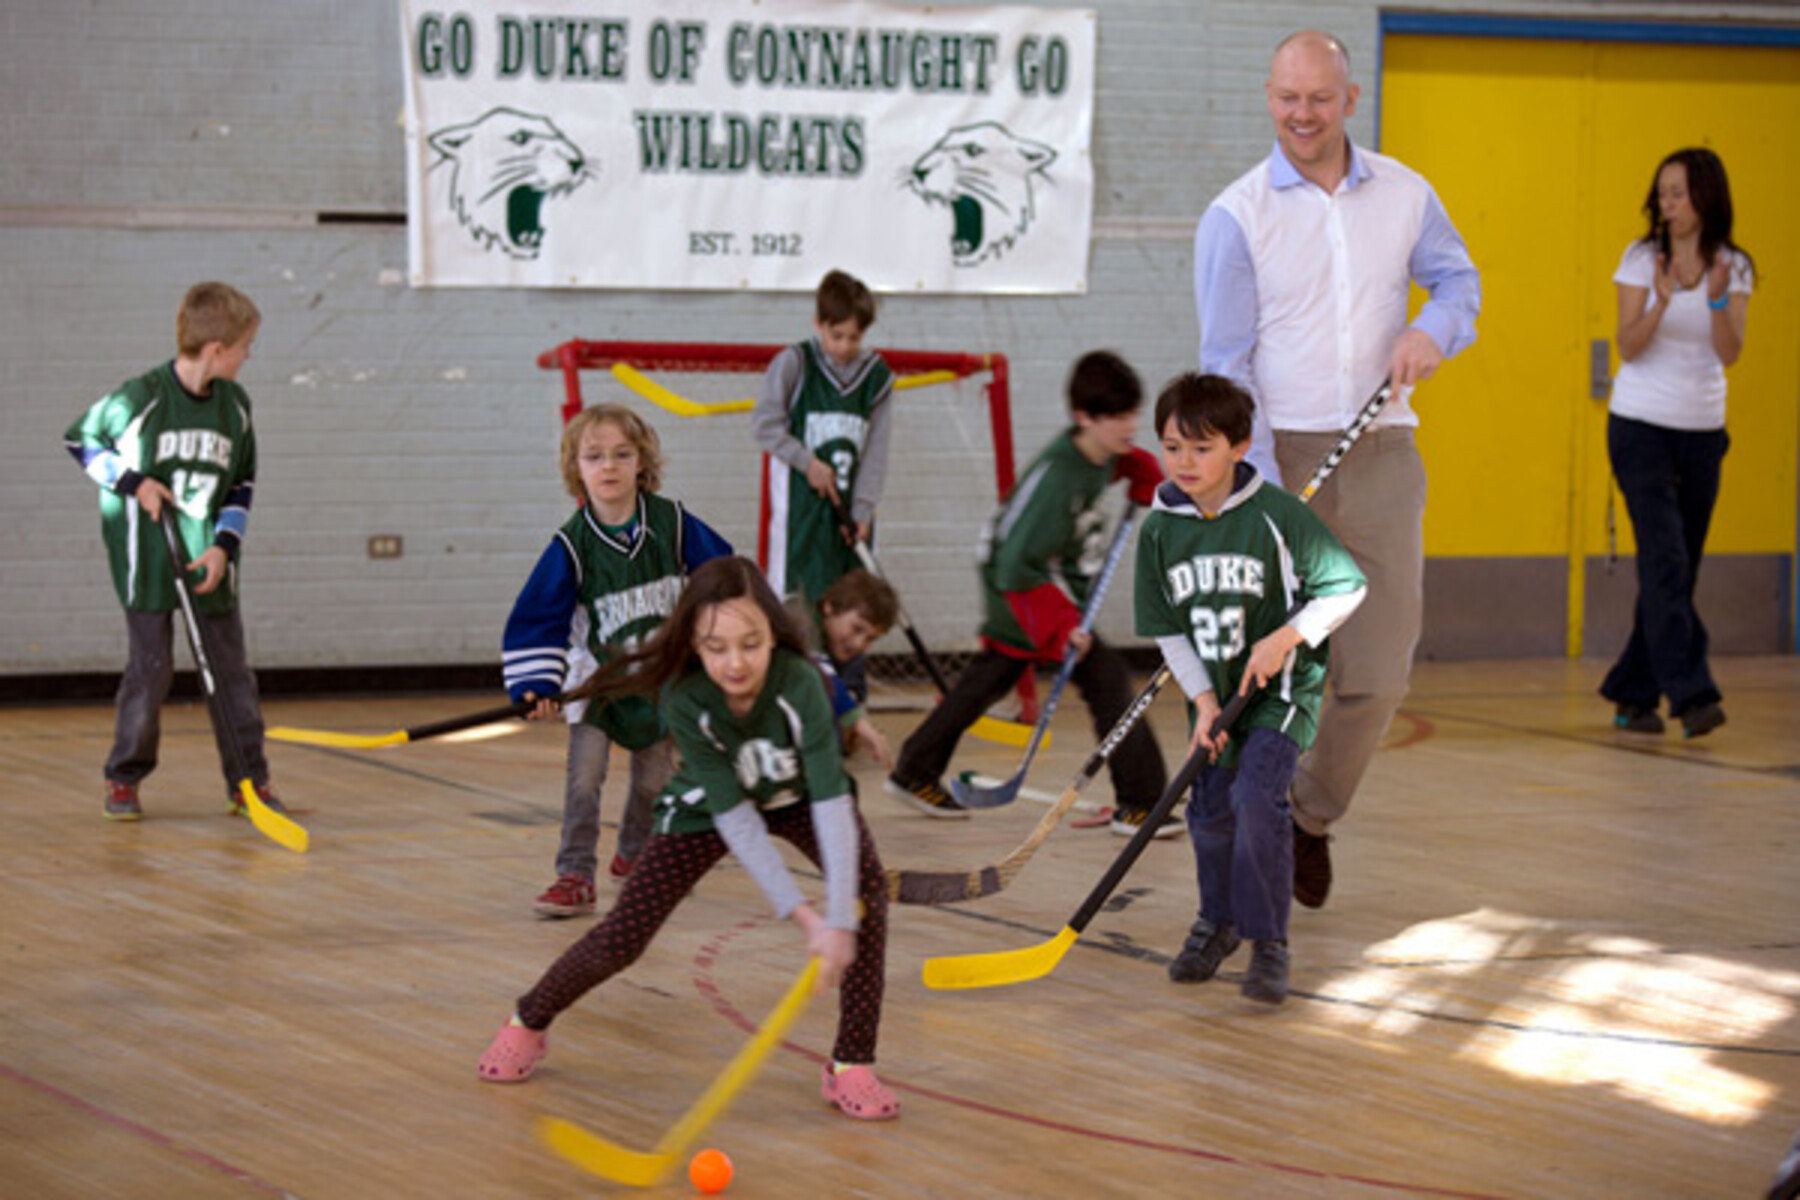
1541, 138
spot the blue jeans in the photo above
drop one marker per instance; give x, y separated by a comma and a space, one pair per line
1670, 480
1241, 825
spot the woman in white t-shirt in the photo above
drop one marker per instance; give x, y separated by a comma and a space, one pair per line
1684, 290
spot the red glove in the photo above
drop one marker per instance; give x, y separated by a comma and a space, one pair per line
1047, 616
1144, 472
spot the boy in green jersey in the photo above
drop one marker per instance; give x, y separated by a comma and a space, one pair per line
1040, 555
1239, 583
822, 418
180, 436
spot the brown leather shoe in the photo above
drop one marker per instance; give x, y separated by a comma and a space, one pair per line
1312, 867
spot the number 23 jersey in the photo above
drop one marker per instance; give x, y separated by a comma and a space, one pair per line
1227, 581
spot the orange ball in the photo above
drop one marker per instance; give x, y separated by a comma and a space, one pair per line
710, 1171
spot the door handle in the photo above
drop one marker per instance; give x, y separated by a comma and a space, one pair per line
1599, 369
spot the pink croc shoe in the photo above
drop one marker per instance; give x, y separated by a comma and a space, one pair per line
514, 1054
859, 1094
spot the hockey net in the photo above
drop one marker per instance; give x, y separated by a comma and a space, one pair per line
950, 460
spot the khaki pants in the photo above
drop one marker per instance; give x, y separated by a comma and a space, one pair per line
1375, 504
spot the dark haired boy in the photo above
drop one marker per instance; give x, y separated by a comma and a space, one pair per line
1239, 583
1040, 555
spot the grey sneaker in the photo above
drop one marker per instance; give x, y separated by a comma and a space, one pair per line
1127, 821
1266, 980
1205, 949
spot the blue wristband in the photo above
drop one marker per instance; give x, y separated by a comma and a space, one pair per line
1720, 304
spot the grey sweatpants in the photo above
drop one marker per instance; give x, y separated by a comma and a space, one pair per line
149, 672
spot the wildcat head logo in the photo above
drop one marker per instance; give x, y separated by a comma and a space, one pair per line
985, 174
503, 166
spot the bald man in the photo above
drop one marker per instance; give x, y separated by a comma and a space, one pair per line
1301, 273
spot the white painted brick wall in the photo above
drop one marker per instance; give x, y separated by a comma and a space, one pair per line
386, 410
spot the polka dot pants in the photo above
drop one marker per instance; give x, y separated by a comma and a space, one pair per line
670, 867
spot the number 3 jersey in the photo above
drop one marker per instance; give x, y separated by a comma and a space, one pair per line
202, 448
830, 412
1225, 582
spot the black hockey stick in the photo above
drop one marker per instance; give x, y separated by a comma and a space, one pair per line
945, 887
993, 729
970, 794
417, 733
277, 827
1034, 962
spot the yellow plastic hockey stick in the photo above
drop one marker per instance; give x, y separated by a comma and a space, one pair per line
374, 741
681, 406
597, 1156
280, 829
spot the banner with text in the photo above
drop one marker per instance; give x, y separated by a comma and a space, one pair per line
709, 144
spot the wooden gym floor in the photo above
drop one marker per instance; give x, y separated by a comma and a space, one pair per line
1559, 962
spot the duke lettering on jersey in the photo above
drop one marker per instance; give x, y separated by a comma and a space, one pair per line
1212, 574
194, 445
615, 610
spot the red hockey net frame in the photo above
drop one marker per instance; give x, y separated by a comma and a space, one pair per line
577, 355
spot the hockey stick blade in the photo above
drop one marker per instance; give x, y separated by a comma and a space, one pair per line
947, 887
400, 737
1004, 967
282, 830
597, 1156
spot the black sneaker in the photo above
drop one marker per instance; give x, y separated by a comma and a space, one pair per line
1701, 719
929, 798
1266, 980
1635, 718
1312, 867
1202, 953
1127, 821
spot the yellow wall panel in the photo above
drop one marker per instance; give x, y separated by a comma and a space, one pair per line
1542, 152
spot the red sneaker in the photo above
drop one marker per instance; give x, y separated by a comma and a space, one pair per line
569, 896
121, 801
621, 866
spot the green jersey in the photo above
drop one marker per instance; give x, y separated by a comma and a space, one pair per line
784, 751
1050, 529
625, 590
830, 417
1226, 582
203, 448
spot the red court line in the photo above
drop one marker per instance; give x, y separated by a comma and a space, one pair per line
1420, 729
144, 1132
709, 954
